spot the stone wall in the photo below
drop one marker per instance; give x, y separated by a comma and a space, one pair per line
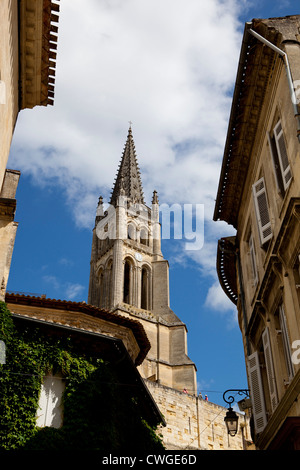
195, 424
9, 73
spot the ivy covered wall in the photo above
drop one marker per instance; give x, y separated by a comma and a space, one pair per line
99, 413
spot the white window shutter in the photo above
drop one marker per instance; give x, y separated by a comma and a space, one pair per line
286, 342
253, 259
50, 410
262, 210
270, 368
257, 393
282, 155
275, 161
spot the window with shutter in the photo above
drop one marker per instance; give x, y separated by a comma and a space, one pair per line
276, 165
270, 368
280, 159
282, 155
286, 343
50, 409
262, 210
253, 259
257, 393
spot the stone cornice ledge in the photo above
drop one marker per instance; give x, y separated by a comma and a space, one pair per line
38, 44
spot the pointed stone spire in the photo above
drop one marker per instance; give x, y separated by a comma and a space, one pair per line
99, 212
155, 197
128, 181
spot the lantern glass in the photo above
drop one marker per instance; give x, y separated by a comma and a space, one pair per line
231, 419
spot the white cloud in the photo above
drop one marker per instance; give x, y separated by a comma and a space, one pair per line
73, 290
70, 291
217, 300
168, 73
66, 262
169, 66
52, 280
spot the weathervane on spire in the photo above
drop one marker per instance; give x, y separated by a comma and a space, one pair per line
130, 122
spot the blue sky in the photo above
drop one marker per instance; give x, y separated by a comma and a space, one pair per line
173, 77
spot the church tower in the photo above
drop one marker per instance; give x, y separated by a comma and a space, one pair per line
129, 275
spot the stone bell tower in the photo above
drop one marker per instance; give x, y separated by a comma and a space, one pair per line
129, 275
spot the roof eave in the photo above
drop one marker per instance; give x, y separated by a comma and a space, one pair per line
37, 52
236, 94
119, 358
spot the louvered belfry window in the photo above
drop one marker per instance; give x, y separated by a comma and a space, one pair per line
262, 210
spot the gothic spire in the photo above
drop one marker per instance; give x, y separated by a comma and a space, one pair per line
128, 181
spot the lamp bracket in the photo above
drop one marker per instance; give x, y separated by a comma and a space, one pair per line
233, 392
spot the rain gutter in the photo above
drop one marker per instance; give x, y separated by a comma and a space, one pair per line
288, 73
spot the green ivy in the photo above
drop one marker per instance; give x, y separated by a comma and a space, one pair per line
99, 414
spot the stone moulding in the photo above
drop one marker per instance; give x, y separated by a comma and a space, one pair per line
85, 317
38, 45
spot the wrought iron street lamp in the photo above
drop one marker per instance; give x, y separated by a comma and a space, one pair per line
231, 419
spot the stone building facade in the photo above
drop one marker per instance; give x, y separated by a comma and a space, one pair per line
28, 42
129, 277
259, 194
193, 423
129, 282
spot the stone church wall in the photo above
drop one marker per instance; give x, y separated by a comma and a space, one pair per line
196, 424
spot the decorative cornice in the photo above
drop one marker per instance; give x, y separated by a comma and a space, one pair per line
226, 267
38, 45
255, 69
8, 208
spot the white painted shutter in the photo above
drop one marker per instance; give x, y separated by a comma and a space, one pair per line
253, 259
275, 161
282, 155
50, 411
286, 342
256, 393
270, 368
262, 210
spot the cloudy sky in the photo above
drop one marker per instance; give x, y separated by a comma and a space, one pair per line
169, 67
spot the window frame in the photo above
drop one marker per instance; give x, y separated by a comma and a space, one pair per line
49, 412
267, 348
253, 261
280, 159
257, 392
286, 343
262, 210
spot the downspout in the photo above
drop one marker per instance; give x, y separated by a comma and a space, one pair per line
288, 73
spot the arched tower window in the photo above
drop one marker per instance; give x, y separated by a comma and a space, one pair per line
144, 239
109, 285
127, 282
131, 232
145, 289
101, 288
